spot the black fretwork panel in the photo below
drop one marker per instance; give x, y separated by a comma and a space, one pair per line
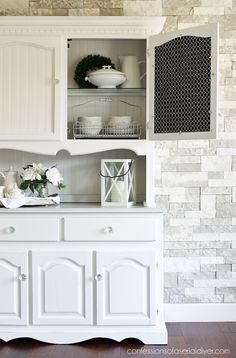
183, 85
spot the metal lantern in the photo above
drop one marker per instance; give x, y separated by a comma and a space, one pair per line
117, 182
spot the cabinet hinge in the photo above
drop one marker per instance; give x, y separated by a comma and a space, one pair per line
68, 43
147, 125
147, 52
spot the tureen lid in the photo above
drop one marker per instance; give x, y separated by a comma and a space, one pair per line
106, 70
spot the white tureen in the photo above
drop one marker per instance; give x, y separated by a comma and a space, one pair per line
106, 77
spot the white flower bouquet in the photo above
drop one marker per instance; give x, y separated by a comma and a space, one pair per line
36, 178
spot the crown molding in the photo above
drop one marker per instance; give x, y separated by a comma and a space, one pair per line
83, 26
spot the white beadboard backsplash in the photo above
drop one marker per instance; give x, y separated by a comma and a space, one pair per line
81, 173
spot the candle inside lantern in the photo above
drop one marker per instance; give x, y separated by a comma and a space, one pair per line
117, 192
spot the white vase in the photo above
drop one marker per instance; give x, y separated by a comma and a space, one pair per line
42, 192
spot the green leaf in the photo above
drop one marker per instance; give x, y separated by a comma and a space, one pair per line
61, 186
24, 185
31, 186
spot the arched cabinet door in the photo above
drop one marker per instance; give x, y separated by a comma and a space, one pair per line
126, 288
30, 87
183, 84
62, 287
13, 288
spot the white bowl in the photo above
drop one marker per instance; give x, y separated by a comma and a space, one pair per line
90, 125
120, 121
106, 77
92, 130
90, 120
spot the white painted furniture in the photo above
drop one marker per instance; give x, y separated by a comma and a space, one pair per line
97, 279
75, 272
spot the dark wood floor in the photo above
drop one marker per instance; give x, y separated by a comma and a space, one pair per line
182, 336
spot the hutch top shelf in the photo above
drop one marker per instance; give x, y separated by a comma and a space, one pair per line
37, 101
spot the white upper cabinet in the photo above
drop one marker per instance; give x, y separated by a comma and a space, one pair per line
30, 87
108, 102
183, 84
176, 95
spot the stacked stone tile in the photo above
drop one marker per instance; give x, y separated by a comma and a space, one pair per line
62, 7
195, 180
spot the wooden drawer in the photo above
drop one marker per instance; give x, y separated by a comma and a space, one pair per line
28, 228
111, 228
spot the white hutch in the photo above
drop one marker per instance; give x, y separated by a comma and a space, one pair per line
78, 270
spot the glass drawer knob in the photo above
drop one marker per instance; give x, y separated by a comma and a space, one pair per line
10, 230
98, 277
22, 277
108, 230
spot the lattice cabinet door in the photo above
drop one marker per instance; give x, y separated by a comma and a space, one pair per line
183, 84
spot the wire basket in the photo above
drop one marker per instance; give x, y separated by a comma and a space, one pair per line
107, 131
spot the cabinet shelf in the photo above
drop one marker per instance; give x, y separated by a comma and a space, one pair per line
106, 92
80, 147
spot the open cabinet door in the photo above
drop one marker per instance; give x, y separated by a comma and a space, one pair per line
183, 84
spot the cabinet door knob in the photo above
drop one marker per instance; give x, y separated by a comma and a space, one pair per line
10, 230
98, 277
22, 277
56, 81
108, 230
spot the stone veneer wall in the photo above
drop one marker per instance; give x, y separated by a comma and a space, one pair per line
195, 180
